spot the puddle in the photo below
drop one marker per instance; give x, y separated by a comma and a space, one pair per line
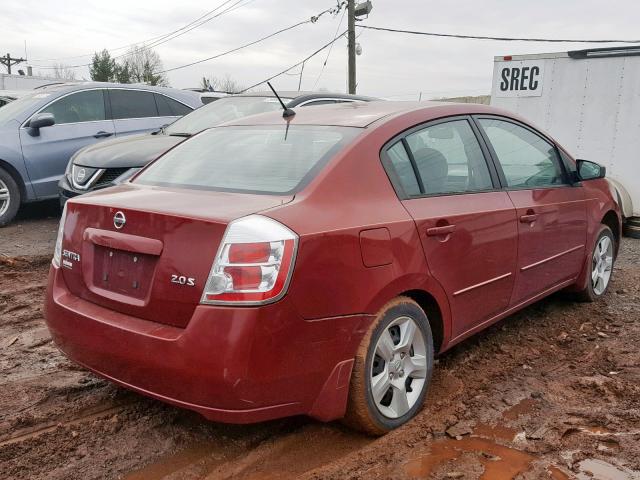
497, 432
172, 463
557, 474
523, 407
597, 430
601, 470
499, 462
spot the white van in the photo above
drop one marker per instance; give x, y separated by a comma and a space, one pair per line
589, 100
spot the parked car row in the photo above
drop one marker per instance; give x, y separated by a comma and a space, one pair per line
314, 263
43, 130
113, 161
40, 131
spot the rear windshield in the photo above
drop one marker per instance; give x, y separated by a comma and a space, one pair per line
258, 159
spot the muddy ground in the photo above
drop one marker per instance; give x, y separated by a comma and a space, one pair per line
551, 392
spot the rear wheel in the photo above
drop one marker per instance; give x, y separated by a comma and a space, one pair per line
9, 198
601, 266
392, 369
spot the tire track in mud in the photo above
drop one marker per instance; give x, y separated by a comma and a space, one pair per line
551, 388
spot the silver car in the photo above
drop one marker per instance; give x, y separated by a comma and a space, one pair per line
40, 131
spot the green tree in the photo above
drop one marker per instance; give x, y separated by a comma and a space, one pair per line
103, 67
122, 73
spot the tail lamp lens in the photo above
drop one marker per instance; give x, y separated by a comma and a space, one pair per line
253, 264
57, 252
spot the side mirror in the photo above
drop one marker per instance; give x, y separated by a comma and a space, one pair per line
40, 120
590, 170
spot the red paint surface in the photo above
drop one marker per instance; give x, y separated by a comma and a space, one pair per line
359, 247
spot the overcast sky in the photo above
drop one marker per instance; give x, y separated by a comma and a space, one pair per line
391, 65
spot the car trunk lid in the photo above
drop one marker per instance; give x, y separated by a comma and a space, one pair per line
147, 251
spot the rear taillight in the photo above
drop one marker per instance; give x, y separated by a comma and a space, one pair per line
254, 263
57, 252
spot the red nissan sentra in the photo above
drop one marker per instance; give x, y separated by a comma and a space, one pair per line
315, 264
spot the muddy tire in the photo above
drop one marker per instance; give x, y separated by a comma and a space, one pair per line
392, 369
9, 198
601, 266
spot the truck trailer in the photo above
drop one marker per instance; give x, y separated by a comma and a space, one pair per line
589, 100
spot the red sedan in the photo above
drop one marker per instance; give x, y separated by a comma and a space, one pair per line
315, 264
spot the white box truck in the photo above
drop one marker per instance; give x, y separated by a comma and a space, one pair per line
589, 100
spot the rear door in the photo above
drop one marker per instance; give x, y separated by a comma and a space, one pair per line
140, 111
81, 119
467, 225
551, 212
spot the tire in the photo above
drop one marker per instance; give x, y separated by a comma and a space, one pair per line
9, 198
597, 287
364, 413
632, 227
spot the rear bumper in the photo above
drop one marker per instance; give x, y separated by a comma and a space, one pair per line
235, 365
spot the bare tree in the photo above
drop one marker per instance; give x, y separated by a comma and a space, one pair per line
63, 72
143, 65
225, 84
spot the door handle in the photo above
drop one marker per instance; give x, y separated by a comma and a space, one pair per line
529, 218
102, 134
437, 231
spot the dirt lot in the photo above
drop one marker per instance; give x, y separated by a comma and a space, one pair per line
552, 392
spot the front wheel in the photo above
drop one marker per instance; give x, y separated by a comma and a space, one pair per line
392, 369
9, 198
601, 266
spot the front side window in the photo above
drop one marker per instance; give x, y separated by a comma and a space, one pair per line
86, 106
527, 160
132, 104
253, 159
449, 159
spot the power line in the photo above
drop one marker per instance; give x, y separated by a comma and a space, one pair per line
313, 19
176, 33
297, 64
329, 52
235, 49
503, 39
157, 37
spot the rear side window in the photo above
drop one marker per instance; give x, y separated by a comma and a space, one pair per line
132, 104
527, 160
449, 159
168, 107
86, 106
265, 159
403, 169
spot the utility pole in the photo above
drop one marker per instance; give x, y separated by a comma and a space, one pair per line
8, 61
351, 13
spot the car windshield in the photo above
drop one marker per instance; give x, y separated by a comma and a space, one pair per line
255, 159
222, 111
14, 108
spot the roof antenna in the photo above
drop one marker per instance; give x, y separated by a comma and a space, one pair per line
287, 111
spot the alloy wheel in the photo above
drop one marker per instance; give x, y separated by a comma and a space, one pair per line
398, 368
601, 265
5, 198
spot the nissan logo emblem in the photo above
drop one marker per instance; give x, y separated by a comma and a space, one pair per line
81, 174
119, 220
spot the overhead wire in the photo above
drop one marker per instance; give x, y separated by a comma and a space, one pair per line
502, 39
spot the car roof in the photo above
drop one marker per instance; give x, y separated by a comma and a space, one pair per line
363, 114
66, 87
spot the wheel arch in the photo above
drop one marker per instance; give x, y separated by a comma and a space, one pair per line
611, 220
429, 304
11, 170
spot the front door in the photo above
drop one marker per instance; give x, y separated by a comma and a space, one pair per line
466, 224
551, 212
80, 121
